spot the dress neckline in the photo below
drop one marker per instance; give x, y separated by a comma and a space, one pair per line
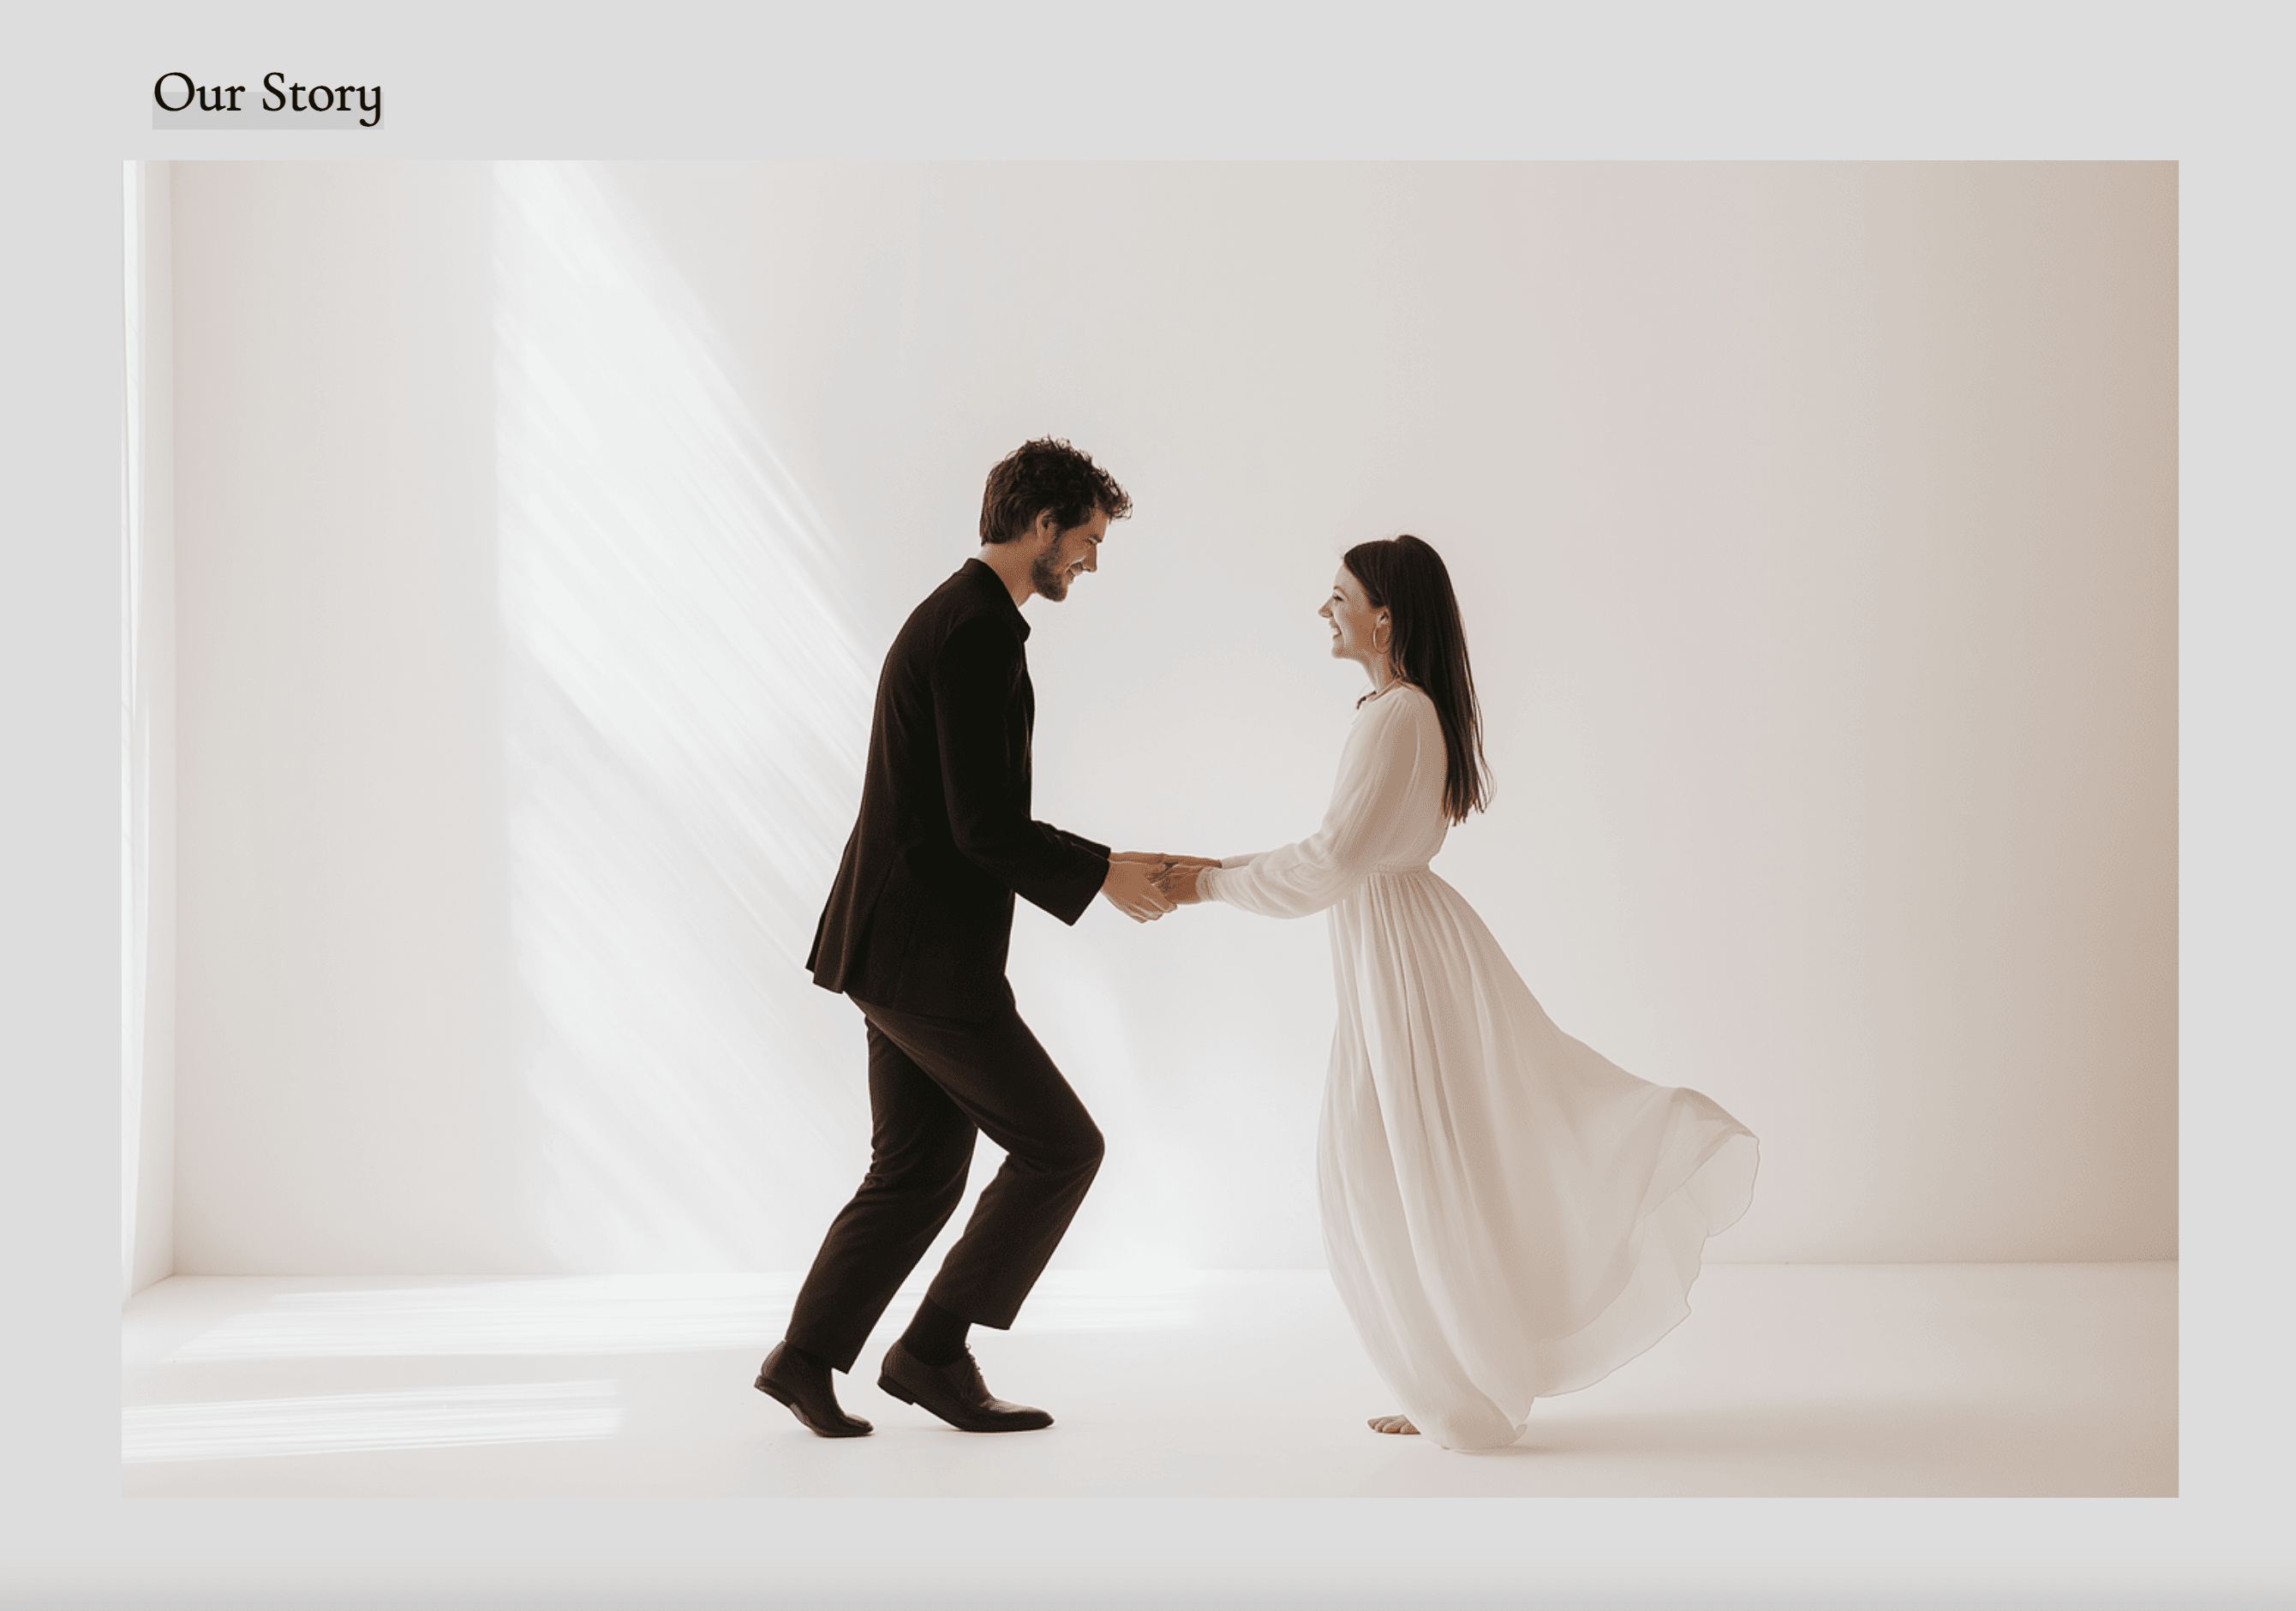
1380, 694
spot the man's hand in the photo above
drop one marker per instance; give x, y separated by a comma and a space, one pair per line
1185, 861
1131, 889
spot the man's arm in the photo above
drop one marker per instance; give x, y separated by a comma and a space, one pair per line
975, 680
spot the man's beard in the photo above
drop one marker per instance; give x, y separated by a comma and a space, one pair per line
1048, 575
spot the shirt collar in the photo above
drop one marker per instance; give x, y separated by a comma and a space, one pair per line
985, 578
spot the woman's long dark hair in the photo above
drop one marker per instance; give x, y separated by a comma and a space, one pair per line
1427, 645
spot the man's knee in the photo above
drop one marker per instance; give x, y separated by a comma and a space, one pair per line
1073, 1152
1087, 1151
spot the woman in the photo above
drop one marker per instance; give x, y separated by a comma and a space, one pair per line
1507, 1214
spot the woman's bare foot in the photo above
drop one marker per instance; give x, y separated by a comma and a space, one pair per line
1393, 1423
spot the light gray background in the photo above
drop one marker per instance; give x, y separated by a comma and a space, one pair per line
1963, 81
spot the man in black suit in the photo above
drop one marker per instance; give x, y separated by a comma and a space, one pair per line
915, 934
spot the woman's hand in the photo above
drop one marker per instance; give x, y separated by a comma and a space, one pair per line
1176, 880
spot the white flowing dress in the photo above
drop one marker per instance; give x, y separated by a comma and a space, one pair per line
1507, 1214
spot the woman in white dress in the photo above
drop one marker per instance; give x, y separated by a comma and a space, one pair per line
1507, 1214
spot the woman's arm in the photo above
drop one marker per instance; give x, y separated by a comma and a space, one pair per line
1369, 812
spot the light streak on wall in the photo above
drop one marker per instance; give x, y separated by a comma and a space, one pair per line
684, 713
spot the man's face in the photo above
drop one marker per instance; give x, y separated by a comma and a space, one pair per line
1065, 555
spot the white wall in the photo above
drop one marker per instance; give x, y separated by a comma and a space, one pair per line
148, 772
343, 1098
540, 530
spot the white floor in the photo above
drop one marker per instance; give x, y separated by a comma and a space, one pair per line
2000, 1379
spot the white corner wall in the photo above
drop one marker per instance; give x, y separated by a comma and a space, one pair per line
148, 684
540, 529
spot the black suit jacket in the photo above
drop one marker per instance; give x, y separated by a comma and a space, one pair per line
921, 916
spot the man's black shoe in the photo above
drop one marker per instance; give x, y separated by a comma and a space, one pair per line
956, 1393
810, 1394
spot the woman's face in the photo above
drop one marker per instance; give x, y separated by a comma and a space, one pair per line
1359, 628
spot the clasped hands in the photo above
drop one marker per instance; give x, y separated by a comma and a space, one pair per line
1145, 884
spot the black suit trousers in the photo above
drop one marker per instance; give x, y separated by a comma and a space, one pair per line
934, 1084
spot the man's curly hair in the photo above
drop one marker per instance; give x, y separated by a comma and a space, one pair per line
1046, 473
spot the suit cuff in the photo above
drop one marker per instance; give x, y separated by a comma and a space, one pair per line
1082, 844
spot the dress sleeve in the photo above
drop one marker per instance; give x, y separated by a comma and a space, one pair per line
1368, 815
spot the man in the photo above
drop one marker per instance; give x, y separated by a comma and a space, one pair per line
915, 934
